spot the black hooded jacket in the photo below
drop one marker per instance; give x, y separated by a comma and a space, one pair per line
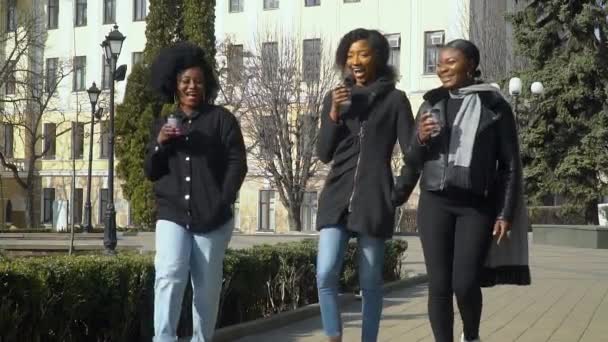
360, 192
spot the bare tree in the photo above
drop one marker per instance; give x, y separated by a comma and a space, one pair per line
232, 76
33, 98
286, 82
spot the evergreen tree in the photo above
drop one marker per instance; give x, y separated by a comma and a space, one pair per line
565, 136
168, 21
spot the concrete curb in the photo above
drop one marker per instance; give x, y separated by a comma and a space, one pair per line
236, 331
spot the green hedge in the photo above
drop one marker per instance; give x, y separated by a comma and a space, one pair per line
99, 298
554, 215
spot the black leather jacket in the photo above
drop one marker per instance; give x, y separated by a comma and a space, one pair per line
495, 166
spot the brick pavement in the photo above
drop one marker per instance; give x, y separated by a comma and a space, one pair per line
567, 302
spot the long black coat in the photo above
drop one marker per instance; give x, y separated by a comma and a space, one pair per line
359, 191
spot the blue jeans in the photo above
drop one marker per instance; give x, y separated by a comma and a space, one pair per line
179, 251
332, 247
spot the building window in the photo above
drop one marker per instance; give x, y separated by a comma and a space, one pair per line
270, 60
52, 14
77, 207
432, 42
77, 140
11, 16
394, 42
48, 197
136, 58
103, 205
236, 6
104, 141
7, 140
309, 3
268, 137
140, 10
349, 1
308, 211
50, 81
80, 19
109, 11
10, 86
311, 67
50, 136
235, 62
105, 73
236, 210
271, 4
266, 215
80, 73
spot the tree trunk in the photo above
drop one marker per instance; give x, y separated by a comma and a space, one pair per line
29, 207
293, 216
591, 213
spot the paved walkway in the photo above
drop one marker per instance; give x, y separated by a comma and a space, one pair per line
567, 302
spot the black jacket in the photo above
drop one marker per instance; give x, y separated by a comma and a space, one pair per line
197, 176
359, 191
495, 166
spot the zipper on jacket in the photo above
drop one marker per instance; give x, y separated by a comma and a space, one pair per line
352, 195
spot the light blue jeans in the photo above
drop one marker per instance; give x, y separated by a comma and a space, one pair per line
179, 251
332, 247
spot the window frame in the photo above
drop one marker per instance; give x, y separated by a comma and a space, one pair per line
79, 78
77, 140
427, 48
10, 86
109, 13
52, 13
48, 198
140, 10
308, 74
80, 13
8, 143
312, 3
50, 141
103, 205
104, 140
11, 16
271, 210
239, 8
50, 78
270, 5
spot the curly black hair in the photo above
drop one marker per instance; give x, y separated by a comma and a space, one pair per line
377, 42
470, 52
173, 60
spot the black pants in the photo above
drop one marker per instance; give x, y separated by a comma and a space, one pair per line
456, 232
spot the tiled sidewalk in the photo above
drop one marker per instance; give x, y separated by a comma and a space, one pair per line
567, 302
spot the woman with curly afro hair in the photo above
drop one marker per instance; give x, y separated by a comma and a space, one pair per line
197, 162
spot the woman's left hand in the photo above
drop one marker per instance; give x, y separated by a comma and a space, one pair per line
501, 228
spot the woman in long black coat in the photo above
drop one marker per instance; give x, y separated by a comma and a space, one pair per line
360, 195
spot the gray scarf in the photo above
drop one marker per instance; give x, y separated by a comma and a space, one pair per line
464, 131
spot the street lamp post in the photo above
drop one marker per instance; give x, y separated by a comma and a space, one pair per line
515, 88
112, 46
93, 97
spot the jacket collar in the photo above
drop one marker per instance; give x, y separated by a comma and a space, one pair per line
488, 98
203, 108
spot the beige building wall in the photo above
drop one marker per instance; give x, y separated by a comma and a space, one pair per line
64, 43
405, 21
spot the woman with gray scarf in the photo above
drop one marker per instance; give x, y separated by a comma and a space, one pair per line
466, 149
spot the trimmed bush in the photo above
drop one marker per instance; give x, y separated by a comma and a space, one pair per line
554, 215
99, 298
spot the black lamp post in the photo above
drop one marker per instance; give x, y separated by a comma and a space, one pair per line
93, 97
515, 89
112, 46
